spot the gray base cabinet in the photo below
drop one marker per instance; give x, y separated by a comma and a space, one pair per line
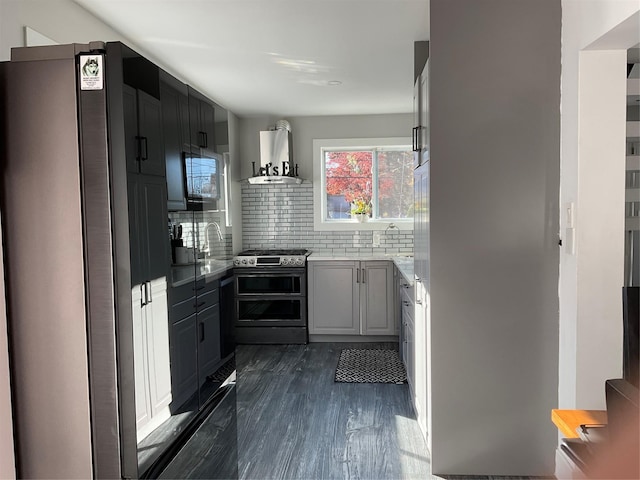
334, 298
195, 337
184, 359
376, 302
209, 341
351, 298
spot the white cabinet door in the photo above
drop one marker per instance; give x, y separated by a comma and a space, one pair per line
334, 298
377, 312
158, 352
421, 357
410, 356
143, 406
422, 285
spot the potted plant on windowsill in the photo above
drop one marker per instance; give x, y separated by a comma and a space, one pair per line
360, 210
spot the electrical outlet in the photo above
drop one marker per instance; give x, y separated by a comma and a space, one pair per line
376, 239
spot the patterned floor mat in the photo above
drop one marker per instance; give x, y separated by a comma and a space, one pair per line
370, 366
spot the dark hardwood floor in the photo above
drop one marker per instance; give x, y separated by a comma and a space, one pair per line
294, 422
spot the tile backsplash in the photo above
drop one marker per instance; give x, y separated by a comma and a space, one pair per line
200, 230
281, 216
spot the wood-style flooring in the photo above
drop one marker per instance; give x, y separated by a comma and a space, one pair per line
295, 422
292, 421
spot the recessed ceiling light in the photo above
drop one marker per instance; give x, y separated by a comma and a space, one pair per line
334, 83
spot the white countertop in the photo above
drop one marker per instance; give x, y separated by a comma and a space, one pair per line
182, 274
403, 262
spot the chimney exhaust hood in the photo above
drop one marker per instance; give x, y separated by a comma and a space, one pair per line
276, 164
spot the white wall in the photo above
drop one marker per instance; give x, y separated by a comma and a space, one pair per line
61, 20
494, 173
592, 169
305, 129
235, 193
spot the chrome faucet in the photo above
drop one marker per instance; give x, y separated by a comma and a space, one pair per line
206, 235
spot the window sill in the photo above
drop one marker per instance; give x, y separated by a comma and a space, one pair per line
370, 225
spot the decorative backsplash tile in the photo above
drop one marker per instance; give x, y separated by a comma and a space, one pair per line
203, 231
281, 216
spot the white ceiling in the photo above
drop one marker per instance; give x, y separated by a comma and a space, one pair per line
277, 57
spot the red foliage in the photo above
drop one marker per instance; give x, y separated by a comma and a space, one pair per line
349, 174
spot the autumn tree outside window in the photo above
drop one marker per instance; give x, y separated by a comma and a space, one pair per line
372, 176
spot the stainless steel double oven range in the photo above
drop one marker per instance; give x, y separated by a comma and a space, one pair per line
271, 296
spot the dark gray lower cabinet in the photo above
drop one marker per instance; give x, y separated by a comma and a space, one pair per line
208, 341
195, 338
184, 360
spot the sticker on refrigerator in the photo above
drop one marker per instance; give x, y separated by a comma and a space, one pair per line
91, 74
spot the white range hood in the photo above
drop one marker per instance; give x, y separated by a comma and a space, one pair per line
271, 179
276, 164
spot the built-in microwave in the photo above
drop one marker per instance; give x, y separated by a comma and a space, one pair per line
202, 177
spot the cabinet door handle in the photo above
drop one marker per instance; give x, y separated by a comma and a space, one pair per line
201, 326
416, 146
202, 139
143, 295
206, 140
138, 148
199, 288
198, 305
145, 150
418, 302
147, 287
363, 276
142, 148
357, 275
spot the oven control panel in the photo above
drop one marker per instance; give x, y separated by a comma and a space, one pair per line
267, 261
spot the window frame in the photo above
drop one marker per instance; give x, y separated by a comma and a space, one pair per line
319, 183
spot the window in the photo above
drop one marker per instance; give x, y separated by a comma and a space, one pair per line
372, 176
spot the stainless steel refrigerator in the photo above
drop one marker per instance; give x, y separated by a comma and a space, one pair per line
87, 255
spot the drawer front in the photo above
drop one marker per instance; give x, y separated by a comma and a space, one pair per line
181, 293
407, 311
407, 293
207, 298
183, 309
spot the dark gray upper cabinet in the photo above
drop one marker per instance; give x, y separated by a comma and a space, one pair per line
202, 123
191, 124
143, 132
176, 134
147, 228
